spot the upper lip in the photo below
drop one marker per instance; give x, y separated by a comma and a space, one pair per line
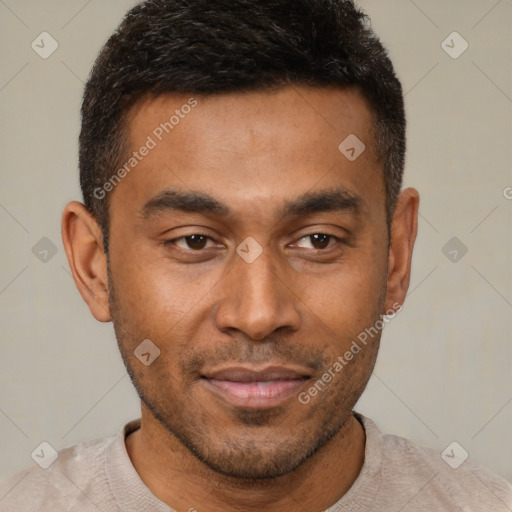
245, 374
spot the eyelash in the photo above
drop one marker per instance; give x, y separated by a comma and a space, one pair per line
173, 241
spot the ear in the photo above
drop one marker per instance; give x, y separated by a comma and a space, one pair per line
83, 242
404, 228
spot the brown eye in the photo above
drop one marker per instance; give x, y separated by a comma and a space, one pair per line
191, 242
318, 241
196, 241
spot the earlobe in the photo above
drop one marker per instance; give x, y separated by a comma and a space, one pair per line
404, 229
83, 243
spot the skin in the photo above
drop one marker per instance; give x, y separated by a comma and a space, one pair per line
300, 303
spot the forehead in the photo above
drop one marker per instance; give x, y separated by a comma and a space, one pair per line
311, 111
260, 148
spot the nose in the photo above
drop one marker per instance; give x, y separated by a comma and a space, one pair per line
257, 298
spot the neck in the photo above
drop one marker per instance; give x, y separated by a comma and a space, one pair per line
179, 479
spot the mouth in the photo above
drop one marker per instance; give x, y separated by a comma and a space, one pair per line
256, 388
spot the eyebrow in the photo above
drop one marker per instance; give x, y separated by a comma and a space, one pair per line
339, 199
192, 202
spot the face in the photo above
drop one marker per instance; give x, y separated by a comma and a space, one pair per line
252, 253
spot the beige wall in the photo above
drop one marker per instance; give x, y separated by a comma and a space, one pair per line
444, 371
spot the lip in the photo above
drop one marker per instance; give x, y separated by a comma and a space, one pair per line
259, 388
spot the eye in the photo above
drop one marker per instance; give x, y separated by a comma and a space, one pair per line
318, 241
191, 242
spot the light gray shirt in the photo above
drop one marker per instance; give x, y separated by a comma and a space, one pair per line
397, 476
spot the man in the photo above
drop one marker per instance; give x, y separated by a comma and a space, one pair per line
245, 230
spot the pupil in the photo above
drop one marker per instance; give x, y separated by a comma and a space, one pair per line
196, 241
320, 239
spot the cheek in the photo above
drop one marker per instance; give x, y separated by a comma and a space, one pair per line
347, 297
153, 296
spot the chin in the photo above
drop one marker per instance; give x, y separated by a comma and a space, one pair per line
253, 465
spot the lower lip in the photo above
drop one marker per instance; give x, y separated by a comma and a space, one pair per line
255, 394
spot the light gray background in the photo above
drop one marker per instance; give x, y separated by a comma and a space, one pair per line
444, 371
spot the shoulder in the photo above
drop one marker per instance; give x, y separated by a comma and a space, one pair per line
442, 481
69, 483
